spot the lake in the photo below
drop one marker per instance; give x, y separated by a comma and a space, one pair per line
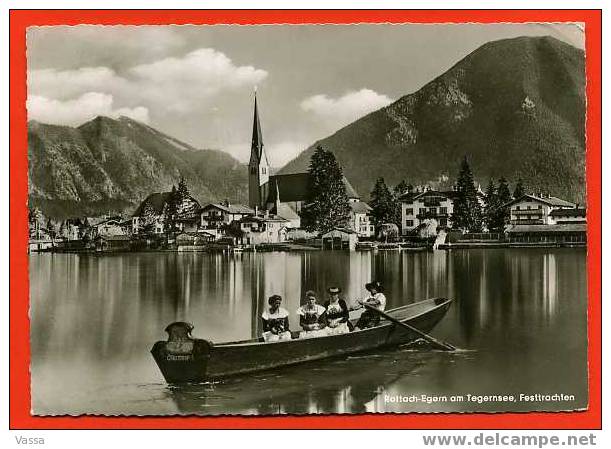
519, 317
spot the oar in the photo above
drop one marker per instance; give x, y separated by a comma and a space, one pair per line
439, 344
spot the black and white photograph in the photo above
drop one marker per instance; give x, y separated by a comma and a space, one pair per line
307, 219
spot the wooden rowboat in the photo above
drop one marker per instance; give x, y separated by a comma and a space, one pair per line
185, 359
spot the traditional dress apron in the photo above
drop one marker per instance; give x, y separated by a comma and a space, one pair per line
311, 316
337, 318
276, 325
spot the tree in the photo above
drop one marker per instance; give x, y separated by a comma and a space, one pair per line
183, 190
519, 190
51, 228
171, 211
327, 204
384, 205
491, 203
149, 216
63, 229
401, 188
467, 213
503, 197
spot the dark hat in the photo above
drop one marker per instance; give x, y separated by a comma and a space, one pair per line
273, 298
333, 290
310, 294
374, 284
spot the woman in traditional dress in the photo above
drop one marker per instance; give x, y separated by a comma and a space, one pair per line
311, 317
376, 299
275, 321
337, 313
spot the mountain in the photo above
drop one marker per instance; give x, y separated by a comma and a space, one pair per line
515, 107
108, 165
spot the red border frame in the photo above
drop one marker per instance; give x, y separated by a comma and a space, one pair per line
20, 417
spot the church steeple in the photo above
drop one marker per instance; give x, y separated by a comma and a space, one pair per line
258, 167
256, 146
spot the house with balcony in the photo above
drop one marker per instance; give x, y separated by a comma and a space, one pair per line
216, 215
539, 210
568, 216
257, 229
360, 219
426, 208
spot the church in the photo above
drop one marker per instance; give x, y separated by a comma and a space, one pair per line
285, 195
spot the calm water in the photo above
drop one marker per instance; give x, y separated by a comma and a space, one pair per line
519, 315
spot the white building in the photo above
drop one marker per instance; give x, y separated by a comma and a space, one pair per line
255, 230
540, 210
568, 216
359, 220
426, 208
214, 215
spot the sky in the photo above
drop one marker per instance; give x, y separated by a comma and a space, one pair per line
196, 83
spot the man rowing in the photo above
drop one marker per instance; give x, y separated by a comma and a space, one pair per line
376, 299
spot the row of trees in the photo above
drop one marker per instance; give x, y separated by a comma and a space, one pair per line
328, 204
470, 214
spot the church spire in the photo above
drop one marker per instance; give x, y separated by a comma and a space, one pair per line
256, 147
258, 167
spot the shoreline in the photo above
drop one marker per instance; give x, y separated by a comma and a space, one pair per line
304, 248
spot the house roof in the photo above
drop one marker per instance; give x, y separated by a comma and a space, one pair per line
231, 209
195, 234
94, 221
569, 212
114, 237
157, 200
343, 230
187, 218
547, 199
285, 211
360, 207
559, 228
409, 197
294, 187
261, 219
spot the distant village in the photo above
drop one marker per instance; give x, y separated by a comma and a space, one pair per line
320, 209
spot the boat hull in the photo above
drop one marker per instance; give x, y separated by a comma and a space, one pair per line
209, 362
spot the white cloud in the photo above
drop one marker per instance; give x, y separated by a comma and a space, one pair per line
170, 85
180, 83
79, 110
343, 110
62, 84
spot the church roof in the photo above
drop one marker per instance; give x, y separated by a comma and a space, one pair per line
285, 211
294, 187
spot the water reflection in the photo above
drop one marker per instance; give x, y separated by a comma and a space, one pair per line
94, 318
